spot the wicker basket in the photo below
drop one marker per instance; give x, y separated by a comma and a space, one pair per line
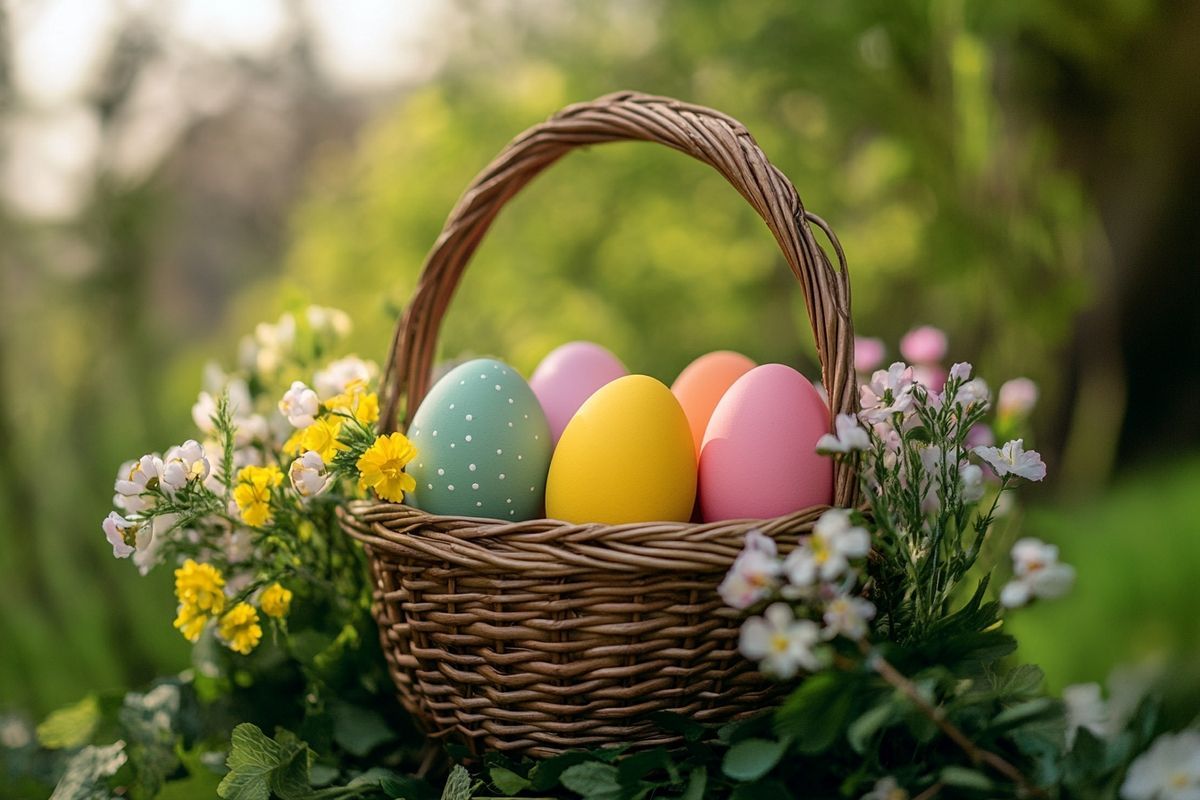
540, 636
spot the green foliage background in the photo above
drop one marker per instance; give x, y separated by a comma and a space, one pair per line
919, 130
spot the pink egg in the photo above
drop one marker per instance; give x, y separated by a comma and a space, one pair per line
759, 459
568, 376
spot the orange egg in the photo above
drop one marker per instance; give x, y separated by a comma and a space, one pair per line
703, 383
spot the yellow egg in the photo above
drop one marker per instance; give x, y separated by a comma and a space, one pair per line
626, 456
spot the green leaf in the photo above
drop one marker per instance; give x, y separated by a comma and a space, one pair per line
868, 724
964, 778
290, 779
546, 774
1030, 710
357, 729
458, 784
85, 776
751, 759
70, 727
686, 727
697, 782
508, 781
199, 782
639, 765
259, 765
592, 780
815, 714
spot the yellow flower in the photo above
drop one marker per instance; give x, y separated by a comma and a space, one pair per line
321, 436
276, 601
356, 401
253, 493
199, 585
239, 628
199, 589
382, 467
190, 622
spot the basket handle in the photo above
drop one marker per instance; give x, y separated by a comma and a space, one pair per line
707, 135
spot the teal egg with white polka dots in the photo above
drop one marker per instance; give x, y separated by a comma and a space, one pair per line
483, 445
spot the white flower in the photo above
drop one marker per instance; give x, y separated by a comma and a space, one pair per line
1085, 708
1014, 459
974, 393
970, 478
850, 436
248, 426
119, 532
238, 546
308, 475
1169, 770
323, 319
182, 464
754, 574
203, 412
334, 379
827, 553
960, 372
1016, 397
133, 480
300, 405
1036, 574
150, 539
782, 643
271, 343
889, 392
848, 616
886, 789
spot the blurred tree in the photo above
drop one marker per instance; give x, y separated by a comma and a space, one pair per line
888, 117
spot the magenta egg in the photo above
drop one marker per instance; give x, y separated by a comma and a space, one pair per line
759, 459
568, 376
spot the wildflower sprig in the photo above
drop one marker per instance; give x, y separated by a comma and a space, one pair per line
873, 588
249, 506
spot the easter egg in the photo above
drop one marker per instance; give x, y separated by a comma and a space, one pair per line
703, 383
758, 459
483, 445
626, 456
569, 375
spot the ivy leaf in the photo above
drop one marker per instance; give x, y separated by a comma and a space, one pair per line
458, 785
508, 781
70, 727
751, 759
86, 774
592, 781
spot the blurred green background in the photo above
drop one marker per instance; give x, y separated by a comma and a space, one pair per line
1020, 174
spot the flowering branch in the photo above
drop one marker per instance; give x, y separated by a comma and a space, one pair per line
882, 667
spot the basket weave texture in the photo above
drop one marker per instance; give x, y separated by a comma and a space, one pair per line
536, 637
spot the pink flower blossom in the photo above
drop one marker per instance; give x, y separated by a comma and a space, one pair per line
924, 345
1016, 398
868, 353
